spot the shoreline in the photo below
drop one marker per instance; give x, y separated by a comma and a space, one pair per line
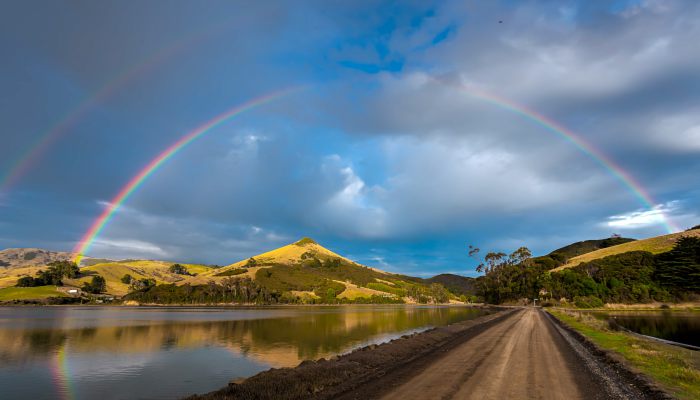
342, 374
375, 369
251, 305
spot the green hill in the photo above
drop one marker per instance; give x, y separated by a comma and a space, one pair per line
654, 245
457, 284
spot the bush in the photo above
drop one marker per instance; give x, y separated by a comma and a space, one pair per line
232, 272
97, 285
127, 279
141, 284
179, 269
26, 281
588, 302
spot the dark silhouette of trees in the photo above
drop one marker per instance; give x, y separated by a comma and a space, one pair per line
179, 269
53, 275
96, 286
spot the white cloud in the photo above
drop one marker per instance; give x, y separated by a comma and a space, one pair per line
678, 132
128, 247
671, 213
353, 208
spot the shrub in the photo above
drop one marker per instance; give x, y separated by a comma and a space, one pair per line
127, 279
178, 269
26, 281
97, 285
232, 272
588, 302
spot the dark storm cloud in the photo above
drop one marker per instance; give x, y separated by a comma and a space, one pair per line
375, 158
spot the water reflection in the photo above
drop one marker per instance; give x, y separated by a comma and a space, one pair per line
681, 327
121, 352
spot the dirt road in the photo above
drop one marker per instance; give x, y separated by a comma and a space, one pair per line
508, 354
522, 357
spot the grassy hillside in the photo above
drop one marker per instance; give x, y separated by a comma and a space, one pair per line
655, 245
138, 269
303, 271
112, 271
587, 246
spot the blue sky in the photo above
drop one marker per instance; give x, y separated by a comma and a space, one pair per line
374, 159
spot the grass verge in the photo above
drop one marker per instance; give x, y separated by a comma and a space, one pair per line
29, 293
673, 368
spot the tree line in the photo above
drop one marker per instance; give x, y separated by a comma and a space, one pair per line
633, 277
57, 271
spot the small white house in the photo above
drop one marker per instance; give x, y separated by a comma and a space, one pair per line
73, 291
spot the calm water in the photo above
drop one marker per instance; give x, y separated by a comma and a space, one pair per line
678, 326
163, 353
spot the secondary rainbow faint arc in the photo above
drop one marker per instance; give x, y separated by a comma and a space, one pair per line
586, 148
98, 225
27, 159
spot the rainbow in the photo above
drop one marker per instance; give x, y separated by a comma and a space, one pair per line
571, 137
61, 374
98, 225
30, 157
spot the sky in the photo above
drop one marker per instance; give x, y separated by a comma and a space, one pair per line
387, 150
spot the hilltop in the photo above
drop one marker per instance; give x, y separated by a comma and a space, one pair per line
654, 245
305, 271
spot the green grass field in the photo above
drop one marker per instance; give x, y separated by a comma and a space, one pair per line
675, 368
655, 245
29, 293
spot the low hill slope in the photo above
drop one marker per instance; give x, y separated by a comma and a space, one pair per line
138, 269
655, 245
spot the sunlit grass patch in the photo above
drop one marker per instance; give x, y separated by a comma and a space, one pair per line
655, 245
29, 293
675, 368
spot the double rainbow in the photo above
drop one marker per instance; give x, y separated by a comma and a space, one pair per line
32, 155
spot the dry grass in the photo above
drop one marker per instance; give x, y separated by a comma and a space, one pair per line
655, 245
353, 291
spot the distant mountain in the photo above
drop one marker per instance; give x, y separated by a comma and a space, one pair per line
29, 257
457, 284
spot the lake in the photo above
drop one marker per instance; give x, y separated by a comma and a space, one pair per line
677, 326
168, 352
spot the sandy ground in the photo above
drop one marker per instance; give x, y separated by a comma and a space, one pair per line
523, 357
